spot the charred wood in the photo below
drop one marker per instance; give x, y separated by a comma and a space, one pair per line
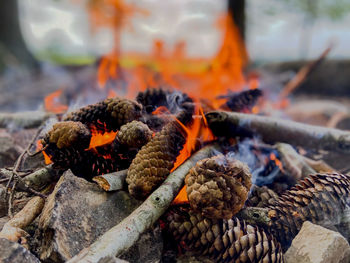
272, 130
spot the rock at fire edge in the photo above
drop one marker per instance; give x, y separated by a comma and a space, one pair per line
78, 212
11, 252
316, 244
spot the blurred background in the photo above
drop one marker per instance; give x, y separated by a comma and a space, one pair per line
50, 45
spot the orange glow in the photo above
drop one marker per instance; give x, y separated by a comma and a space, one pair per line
161, 110
47, 158
255, 110
111, 94
99, 139
198, 131
276, 160
181, 197
52, 103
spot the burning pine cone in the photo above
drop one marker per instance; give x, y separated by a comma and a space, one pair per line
242, 101
320, 198
222, 240
218, 187
154, 161
261, 196
134, 134
151, 99
107, 115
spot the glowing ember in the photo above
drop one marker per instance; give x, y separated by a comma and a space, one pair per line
277, 161
181, 197
39, 147
52, 103
99, 139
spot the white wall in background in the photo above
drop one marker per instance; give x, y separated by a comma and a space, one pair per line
276, 32
63, 26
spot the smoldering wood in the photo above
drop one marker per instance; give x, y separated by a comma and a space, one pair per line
294, 163
122, 236
272, 130
24, 120
111, 181
13, 229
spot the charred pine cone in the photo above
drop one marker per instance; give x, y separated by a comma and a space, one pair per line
134, 134
242, 101
320, 198
153, 98
154, 161
261, 196
107, 115
222, 240
218, 186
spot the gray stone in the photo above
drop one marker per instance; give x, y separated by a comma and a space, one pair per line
11, 252
316, 244
9, 151
78, 212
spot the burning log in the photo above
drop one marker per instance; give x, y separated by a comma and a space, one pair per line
218, 187
107, 115
121, 237
274, 130
320, 198
242, 101
13, 229
154, 161
230, 240
112, 181
134, 134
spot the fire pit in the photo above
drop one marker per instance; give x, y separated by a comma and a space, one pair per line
180, 159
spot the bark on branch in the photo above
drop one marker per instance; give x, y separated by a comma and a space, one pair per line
111, 181
122, 236
272, 130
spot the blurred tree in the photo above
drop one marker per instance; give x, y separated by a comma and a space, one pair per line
13, 49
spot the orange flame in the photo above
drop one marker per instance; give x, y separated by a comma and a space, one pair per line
198, 131
277, 161
52, 103
39, 147
99, 139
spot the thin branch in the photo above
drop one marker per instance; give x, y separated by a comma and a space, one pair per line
273, 130
111, 181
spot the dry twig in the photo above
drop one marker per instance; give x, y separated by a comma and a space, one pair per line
13, 229
122, 236
111, 181
272, 130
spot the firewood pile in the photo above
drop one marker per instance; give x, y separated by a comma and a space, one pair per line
223, 184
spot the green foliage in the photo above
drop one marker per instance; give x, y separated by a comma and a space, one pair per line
332, 9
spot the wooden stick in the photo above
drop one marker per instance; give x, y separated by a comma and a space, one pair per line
272, 130
303, 73
36, 180
293, 162
122, 236
24, 120
112, 181
13, 229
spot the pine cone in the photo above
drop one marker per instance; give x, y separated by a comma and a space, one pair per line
218, 186
68, 134
152, 98
242, 101
154, 161
320, 198
261, 196
134, 134
222, 240
107, 115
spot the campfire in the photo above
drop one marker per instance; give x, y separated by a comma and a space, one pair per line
188, 147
